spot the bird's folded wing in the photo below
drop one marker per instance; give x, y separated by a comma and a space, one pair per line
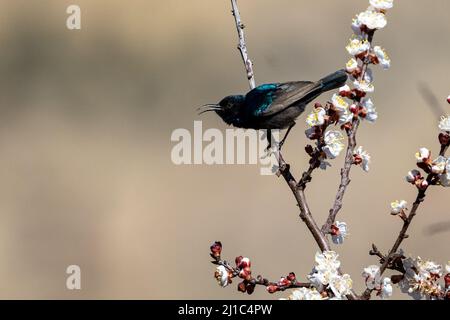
274, 98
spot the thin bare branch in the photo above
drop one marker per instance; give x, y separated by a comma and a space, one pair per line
242, 45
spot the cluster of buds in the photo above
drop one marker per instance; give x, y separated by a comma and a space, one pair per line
243, 266
283, 284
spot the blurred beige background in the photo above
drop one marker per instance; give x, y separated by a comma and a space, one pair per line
86, 118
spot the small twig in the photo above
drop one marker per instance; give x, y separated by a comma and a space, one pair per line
261, 281
242, 45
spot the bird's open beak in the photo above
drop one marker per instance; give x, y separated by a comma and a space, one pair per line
209, 107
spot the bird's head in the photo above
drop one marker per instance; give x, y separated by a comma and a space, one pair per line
228, 109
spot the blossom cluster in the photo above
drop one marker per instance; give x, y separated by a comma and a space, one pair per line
373, 280
437, 169
326, 278
422, 277
352, 103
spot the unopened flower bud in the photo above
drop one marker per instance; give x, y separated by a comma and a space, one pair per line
250, 288
413, 176
448, 99
242, 262
291, 277
284, 282
245, 274
272, 288
242, 287
422, 184
318, 105
216, 249
334, 230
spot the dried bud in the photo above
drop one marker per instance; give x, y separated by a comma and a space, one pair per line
291, 277
216, 249
397, 278
309, 149
238, 260
444, 138
272, 288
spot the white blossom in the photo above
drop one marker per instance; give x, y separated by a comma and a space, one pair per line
382, 4
305, 294
372, 114
438, 165
222, 276
421, 277
398, 207
339, 103
372, 19
341, 233
316, 118
423, 155
444, 178
383, 57
357, 46
386, 288
444, 124
364, 86
371, 274
351, 65
341, 285
364, 157
334, 144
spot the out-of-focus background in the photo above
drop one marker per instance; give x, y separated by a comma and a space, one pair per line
86, 117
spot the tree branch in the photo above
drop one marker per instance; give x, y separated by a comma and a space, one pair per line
386, 262
242, 45
345, 171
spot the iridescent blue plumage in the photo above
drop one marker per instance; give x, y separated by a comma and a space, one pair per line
274, 105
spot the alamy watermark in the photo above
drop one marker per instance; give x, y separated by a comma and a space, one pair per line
232, 147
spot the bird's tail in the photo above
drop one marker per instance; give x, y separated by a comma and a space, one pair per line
334, 80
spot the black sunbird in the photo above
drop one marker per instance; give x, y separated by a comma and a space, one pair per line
274, 105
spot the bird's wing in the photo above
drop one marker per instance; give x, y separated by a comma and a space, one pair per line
269, 99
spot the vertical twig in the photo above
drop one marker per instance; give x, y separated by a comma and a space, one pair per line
242, 46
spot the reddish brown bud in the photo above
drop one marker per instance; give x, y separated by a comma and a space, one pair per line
242, 262
447, 280
245, 274
318, 105
216, 249
284, 282
444, 138
272, 288
357, 160
448, 99
250, 288
291, 277
309, 149
242, 287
